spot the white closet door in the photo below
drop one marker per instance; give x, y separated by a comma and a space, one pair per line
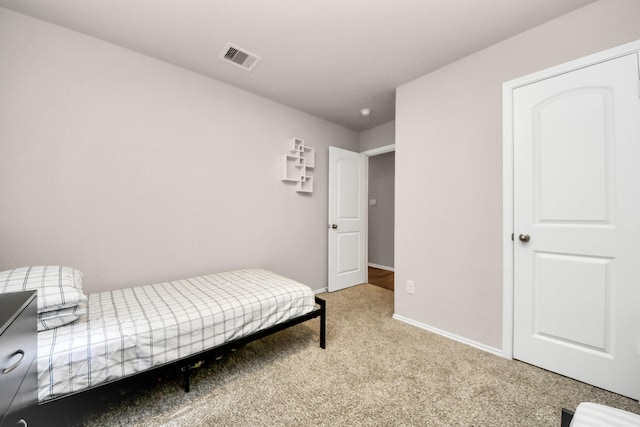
577, 202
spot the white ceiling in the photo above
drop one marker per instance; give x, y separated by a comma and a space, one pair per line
329, 58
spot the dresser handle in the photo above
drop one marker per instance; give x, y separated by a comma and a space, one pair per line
15, 365
21, 423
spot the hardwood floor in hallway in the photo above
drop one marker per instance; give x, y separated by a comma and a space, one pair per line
382, 278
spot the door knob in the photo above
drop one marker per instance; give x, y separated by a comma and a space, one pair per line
334, 226
524, 238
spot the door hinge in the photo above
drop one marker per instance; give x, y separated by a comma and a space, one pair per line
512, 237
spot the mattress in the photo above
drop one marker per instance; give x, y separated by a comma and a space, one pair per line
130, 330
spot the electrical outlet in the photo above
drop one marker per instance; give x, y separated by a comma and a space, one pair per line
411, 287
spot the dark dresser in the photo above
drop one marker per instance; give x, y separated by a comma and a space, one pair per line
18, 369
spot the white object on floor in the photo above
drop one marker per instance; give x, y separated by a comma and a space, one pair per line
595, 415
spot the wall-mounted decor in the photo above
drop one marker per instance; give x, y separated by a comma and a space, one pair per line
296, 164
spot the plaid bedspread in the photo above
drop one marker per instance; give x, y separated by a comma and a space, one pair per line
130, 330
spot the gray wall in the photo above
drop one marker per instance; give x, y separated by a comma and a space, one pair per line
449, 169
136, 171
381, 215
379, 136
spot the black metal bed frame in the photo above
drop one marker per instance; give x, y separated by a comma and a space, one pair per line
189, 363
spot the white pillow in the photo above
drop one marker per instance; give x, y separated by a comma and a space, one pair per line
54, 318
58, 287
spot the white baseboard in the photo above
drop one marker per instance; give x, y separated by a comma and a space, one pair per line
381, 267
319, 291
449, 335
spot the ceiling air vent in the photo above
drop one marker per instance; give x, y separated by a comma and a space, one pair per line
240, 57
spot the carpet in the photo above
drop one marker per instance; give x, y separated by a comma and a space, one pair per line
375, 371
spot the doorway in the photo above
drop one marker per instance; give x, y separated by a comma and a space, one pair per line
348, 216
381, 218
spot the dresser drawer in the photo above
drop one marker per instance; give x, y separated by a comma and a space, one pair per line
23, 405
18, 346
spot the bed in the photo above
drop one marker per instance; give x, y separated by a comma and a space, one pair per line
120, 333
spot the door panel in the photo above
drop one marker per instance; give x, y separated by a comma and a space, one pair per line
347, 212
576, 194
349, 182
558, 279
576, 121
348, 252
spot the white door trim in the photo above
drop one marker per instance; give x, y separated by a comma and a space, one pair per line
380, 150
507, 173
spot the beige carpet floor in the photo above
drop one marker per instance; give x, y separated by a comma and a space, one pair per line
375, 371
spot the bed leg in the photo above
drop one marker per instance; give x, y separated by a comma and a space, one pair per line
186, 373
323, 322
323, 332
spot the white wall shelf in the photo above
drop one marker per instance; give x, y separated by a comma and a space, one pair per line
296, 164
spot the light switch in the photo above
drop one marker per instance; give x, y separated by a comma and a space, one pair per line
372, 202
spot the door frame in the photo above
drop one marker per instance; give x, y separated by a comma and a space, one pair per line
507, 174
371, 153
380, 150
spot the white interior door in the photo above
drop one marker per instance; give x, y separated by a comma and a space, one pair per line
347, 219
577, 202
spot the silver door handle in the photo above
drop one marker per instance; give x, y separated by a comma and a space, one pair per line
334, 226
524, 238
16, 364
